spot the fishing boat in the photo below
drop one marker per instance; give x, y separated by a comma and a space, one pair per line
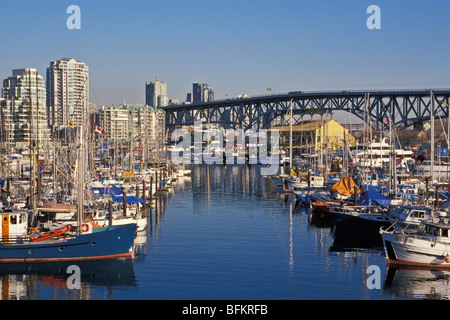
18, 245
428, 247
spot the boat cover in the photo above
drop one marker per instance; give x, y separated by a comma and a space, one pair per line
374, 198
345, 187
114, 191
130, 199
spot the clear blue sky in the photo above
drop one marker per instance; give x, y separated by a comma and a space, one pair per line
237, 47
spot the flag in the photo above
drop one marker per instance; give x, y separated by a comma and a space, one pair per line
386, 122
69, 123
97, 129
269, 89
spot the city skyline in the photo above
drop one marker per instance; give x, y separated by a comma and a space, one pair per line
239, 48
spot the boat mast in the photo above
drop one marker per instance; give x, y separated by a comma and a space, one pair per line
32, 151
432, 135
290, 137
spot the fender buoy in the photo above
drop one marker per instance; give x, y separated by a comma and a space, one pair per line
85, 227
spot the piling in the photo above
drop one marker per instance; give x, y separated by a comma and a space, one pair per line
143, 189
124, 204
110, 209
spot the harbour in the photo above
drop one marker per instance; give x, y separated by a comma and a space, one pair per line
217, 159
227, 232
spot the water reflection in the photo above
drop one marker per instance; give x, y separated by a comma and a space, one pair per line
49, 280
418, 283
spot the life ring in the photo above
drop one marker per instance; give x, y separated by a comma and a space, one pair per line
85, 227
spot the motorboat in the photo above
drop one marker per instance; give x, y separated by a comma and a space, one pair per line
427, 247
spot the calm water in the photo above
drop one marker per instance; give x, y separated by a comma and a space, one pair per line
227, 234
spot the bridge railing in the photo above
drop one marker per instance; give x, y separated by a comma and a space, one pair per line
312, 93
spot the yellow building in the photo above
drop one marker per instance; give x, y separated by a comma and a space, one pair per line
317, 134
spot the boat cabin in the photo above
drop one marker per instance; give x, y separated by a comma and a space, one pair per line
438, 227
14, 225
406, 213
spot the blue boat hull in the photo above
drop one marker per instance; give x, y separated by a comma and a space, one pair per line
112, 243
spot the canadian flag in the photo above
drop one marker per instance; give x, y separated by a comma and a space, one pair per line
97, 129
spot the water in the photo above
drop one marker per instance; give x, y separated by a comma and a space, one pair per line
227, 234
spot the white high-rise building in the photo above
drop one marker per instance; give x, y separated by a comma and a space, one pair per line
23, 109
123, 123
67, 92
156, 94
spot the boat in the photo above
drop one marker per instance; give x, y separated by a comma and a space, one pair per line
320, 214
50, 234
359, 220
70, 244
309, 181
344, 188
409, 217
377, 155
428, 247
364, 218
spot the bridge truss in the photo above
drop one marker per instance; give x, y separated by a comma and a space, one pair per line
403, 107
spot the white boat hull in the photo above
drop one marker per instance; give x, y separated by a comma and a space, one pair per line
413, 250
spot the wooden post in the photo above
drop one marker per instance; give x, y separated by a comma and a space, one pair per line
150, 188
137, 191
110, 208
124, 204
355, 194
143, 189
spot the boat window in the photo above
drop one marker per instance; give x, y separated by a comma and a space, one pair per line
13, 219
445, 233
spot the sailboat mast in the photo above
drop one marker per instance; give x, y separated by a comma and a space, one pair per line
290, 136
32, 150
432, 135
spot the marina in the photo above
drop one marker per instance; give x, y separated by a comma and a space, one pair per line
227, 232
224, 158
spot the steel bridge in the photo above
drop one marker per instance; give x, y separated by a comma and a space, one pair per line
402, 107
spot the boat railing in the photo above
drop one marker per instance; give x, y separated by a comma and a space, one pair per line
404, 237
15, 239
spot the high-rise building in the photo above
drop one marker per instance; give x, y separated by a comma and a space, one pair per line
23, 109
201, 92
156, 94
138, 123
67, 92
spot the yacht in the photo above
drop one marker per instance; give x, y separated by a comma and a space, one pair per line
377, 155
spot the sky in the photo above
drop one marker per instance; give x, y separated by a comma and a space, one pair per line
237, 47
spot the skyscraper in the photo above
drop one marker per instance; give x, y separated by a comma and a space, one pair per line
23, 110
202, 92
67, 92
156, 93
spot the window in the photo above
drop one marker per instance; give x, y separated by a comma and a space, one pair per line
13, 219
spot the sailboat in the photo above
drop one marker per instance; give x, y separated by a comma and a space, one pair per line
18, 245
